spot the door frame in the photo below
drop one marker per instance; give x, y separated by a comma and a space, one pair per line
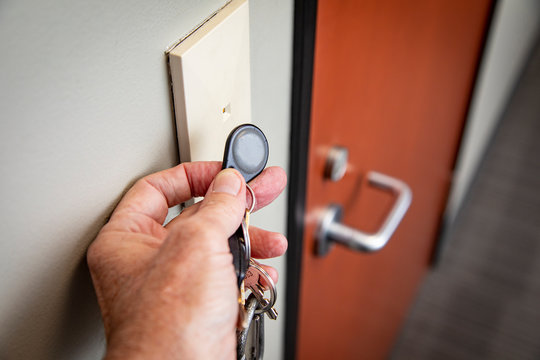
305, 19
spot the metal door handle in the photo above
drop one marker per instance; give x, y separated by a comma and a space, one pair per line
331, 230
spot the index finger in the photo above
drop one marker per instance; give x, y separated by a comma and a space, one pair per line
154, 194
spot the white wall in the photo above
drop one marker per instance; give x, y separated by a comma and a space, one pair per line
271, 25
85, 106
516, 25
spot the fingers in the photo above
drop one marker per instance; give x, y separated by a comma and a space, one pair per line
155, 193
216, 218
272, 272
268, 185
254, 276
224, 205
266, 244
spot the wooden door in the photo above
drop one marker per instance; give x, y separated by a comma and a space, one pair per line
392, 81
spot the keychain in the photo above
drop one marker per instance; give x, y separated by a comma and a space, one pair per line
246, 150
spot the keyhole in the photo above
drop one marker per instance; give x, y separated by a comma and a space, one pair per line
226, 112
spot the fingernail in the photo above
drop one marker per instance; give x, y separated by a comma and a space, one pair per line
227, 181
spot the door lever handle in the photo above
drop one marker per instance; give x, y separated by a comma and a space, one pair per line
331, 229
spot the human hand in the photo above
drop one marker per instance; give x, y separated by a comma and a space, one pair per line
171, 291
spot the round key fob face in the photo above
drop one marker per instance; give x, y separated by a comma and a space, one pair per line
246, 150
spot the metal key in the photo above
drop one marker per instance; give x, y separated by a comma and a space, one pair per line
256, 345
251, 339
258, 291
242, 334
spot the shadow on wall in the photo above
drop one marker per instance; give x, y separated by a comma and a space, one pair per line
75, 335
81, 314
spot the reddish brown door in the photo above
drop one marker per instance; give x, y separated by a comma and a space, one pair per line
392, 82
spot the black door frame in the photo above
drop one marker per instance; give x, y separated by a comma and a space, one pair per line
305, 17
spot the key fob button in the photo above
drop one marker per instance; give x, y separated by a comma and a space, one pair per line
246, 151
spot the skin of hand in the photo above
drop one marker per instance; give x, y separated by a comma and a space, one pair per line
170, 292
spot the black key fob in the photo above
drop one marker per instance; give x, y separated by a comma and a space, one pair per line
246, 150
238, 244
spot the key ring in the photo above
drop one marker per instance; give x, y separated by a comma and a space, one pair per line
247, 240
253, 199
272, 287
245, 224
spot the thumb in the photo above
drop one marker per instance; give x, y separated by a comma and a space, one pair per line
206, 230
224, 204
